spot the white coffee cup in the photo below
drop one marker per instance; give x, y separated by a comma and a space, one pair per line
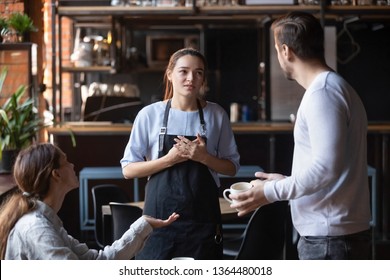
183, 259
236, 188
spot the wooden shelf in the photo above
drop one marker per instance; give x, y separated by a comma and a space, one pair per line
123, 18
74, 69
224, 11
123, 11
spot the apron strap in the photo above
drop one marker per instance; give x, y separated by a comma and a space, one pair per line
163, 129
202, 122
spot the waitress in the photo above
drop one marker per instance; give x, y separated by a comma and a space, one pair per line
181, 144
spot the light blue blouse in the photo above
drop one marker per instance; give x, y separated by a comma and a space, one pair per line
39, 235
143, 142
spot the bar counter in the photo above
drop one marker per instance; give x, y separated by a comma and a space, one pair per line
107, 128
378, 130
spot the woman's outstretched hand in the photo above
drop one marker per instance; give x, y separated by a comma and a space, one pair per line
158, 223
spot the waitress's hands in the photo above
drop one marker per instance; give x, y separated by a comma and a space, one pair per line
158, 223
195, 150
175, 156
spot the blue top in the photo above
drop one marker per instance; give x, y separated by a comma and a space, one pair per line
39, 235
143, 142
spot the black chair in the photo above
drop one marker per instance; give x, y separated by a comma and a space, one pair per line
123, 215
233, 235
264, 236
103, 195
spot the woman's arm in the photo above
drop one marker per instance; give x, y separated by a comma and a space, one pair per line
146, 168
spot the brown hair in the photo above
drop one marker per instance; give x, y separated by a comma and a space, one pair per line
172, 63
301, 32
32, 171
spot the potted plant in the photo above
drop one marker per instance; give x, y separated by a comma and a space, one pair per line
3, 22
3, 28
19, 123
20, 24
3, 25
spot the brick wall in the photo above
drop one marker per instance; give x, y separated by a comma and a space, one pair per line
67, 42
7, 7
15, 75
17, 71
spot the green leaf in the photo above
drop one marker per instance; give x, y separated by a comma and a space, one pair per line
19, 122
22, 23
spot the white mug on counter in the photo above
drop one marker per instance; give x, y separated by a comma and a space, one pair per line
236, 188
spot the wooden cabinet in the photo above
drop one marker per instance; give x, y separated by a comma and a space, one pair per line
20, 60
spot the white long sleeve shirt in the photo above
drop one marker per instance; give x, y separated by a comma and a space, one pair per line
39, 235
328, 187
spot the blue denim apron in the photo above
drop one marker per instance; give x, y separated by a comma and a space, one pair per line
189, 189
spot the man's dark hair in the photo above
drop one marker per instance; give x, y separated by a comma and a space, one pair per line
301, 32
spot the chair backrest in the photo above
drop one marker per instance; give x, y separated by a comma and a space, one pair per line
103, 195
264, 236
123, 215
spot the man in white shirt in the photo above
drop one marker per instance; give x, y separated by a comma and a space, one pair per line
328, 188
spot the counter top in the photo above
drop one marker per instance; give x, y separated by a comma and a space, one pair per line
107, 128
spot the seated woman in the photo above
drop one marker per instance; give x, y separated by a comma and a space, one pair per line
29, 225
